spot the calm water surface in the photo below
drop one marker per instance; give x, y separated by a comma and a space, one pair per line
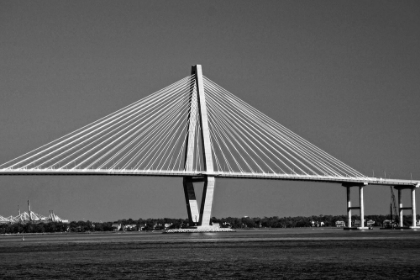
238, 236
247, 254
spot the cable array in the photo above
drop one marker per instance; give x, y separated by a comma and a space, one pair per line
245, 140
152, 135
146, 135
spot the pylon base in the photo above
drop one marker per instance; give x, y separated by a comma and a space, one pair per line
199, 229
416, 227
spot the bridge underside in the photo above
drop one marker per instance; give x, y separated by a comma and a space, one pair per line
285, 177
201, 216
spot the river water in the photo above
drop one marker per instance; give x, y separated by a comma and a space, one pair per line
245, 254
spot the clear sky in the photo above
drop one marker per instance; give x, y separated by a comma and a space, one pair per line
345, 75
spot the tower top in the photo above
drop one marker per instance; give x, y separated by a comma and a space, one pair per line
196, 69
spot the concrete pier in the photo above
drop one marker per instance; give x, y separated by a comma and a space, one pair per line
348, 208
400, 209
411, 208
360, 207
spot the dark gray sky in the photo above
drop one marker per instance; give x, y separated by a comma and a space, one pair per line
342, 74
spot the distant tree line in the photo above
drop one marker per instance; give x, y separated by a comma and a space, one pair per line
301, 221
158, 224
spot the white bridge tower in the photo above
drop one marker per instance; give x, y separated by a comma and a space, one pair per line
198, 113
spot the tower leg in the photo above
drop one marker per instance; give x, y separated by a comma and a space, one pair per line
191, 201
207, 201
348, 208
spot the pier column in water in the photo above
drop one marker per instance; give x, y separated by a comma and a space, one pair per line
361, 207
413, 208
400, 208
348, 208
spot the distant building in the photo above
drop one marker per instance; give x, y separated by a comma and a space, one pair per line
130, 227
317, 224
116, 227
157, 226
370, 223
226, 225
340, 224
389, 224
32, 217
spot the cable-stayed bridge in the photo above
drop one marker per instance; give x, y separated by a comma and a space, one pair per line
197, 130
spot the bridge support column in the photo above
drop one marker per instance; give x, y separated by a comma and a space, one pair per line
412, 208
348, 208
361, 206
191, 201
400, 209
207, 201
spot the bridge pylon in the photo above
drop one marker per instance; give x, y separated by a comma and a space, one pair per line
198, 123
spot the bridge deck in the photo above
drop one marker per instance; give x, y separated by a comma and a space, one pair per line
266, 176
